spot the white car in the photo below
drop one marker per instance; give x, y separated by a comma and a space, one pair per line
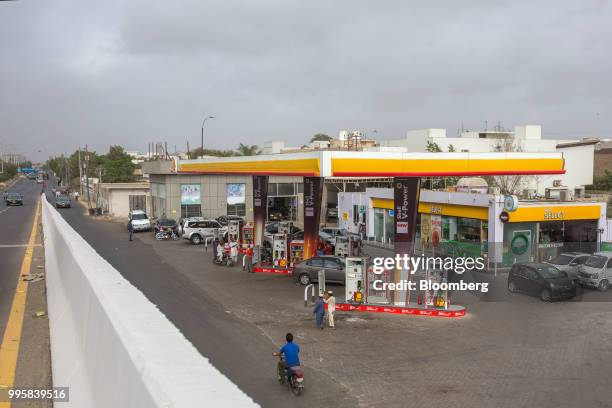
569, 262
197, 229
140, 221
597, 271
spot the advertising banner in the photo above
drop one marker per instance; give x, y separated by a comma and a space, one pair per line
190, 194
406, 203
260, 201
236, 193
313, 189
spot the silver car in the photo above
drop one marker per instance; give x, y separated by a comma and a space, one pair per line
597, 271
308, 271
569, 262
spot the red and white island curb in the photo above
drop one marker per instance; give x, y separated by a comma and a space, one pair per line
415, 310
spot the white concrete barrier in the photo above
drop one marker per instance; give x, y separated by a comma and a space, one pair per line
110, 344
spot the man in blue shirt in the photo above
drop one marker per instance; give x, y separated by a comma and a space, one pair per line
291, 351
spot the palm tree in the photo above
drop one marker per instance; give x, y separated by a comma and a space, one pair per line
248, 150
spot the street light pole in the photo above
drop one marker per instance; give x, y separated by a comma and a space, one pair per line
203, 122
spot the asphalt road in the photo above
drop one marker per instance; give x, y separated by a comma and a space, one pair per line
15, 224
236, 347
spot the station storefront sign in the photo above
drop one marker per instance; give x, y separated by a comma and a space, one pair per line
555, 213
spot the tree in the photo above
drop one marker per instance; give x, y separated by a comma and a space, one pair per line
602, 183
248, 150
432, 147
451, 148
508, 184
198, 152
321, 137
116, 166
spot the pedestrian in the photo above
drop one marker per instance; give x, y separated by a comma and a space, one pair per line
130, 228
234, 251
319, 312
215, 246
331, 308
248, 258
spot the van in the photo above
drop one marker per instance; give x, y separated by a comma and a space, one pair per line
597, 271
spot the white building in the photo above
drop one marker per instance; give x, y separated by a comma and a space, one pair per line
578, 154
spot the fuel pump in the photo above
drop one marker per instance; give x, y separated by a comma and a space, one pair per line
355, 279
342, 246
279, 250
233, 230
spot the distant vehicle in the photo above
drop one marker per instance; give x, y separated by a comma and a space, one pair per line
224, 219
275, 216
272, 228
32, 176
597, 271
165, 224
332, 213
197, 229
307, 271
13, 199
140, 221
541, 280
333, 232
569, 262
62, 202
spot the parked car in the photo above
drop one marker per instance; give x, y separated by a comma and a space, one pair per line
197, 229
140, 221
13, 199
330, 233
272, 228
224, 219
569, 262
332, 213
307, 271
166, 223
62, 201
597, 271
541, 280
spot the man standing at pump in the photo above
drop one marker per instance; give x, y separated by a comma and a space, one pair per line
331, 308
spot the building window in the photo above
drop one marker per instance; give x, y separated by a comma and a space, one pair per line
236, 209
191, 210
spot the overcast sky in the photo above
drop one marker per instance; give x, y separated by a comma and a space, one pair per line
130, 72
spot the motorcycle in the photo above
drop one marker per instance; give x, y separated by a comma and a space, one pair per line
165, 234
291, 376
225, 259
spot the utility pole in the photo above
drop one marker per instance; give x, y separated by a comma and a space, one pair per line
87, 177
80, 174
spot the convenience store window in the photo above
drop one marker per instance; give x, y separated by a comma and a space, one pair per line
468, 230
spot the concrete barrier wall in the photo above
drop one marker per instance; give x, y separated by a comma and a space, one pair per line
110, 344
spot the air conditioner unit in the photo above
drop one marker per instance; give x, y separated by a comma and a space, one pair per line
529, 193
565, 195
556, 183
579, 191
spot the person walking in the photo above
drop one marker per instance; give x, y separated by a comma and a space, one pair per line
331, 308
248, 259
319, 312
215, 246
130, 228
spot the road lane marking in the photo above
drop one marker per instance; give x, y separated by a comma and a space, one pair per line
9, 349
6, 209
19, 245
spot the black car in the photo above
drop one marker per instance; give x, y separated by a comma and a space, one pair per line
166, 223
13, 199
541, 280
62, 202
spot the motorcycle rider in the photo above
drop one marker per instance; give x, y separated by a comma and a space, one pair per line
291, 351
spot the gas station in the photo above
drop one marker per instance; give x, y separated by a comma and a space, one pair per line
406, 169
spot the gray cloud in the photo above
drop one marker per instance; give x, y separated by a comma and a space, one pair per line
109, 72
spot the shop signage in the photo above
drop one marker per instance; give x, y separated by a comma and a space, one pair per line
260, 201
556, 213
519, 244
436, 210
406, 199
236, 193
551, 245
553, 215
190, 194
313, 189
504, 216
